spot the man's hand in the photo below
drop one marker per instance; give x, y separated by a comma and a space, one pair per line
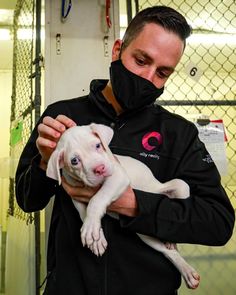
50, 131
126, 204
79, 192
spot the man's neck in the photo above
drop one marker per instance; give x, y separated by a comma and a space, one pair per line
109, 96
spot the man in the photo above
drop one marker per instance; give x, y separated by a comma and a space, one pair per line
141, 64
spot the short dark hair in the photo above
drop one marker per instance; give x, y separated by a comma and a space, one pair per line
166, 17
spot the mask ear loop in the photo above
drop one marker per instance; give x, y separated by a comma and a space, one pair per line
121, 47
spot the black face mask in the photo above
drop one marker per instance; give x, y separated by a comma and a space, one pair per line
130, 90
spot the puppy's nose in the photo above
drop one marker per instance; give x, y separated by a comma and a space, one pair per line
99, 170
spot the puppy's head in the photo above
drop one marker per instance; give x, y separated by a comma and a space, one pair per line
84, 154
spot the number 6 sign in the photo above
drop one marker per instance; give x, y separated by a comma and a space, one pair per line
193, 71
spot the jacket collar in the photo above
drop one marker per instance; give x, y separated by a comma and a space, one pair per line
96, 87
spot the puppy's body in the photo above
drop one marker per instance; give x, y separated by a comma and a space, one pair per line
83, 153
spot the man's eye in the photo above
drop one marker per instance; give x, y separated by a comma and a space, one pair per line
162, 75
75, 161
140, 61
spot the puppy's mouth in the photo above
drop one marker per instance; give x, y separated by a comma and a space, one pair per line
95, 180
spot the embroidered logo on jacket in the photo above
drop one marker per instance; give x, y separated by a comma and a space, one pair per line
208, 159
151, 140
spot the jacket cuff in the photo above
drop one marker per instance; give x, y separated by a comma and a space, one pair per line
145, 222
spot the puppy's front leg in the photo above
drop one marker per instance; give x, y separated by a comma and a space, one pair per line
111, 189
97, 247
81, 208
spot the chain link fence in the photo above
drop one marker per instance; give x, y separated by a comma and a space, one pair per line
22, 110
203, 86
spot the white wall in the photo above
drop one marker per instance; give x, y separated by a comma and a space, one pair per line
81, 57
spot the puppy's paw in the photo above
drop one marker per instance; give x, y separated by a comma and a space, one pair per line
90, 231
191, 276
99, 247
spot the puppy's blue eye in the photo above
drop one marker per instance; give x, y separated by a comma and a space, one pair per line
75, 161
98, 145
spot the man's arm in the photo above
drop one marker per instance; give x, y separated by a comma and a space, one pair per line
33, 188
206, 217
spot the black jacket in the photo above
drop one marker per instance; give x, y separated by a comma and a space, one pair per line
129, 266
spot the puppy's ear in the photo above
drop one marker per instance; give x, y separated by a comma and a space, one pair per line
56, 161
104, 132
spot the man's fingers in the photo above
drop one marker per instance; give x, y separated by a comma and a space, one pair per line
54, 124
65, 121
45, 147
42, 142
52, 129
60, 123
48, 132
79, 192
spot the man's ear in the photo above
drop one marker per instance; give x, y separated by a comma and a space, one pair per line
116, 49
55, 163
104, 132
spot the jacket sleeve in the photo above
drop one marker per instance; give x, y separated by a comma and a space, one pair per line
206, 217
33, 188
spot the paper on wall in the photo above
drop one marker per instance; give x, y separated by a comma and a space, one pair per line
214, 137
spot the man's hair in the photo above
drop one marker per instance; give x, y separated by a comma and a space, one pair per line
166, 17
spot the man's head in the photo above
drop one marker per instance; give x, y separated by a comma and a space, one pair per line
164, 16
143, 61
153, 43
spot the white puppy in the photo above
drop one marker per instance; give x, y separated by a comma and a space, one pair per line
84, 155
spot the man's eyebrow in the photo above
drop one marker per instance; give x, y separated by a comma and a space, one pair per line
149, 58
143, 53
168, 69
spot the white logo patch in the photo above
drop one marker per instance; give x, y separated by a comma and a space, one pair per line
208, 159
